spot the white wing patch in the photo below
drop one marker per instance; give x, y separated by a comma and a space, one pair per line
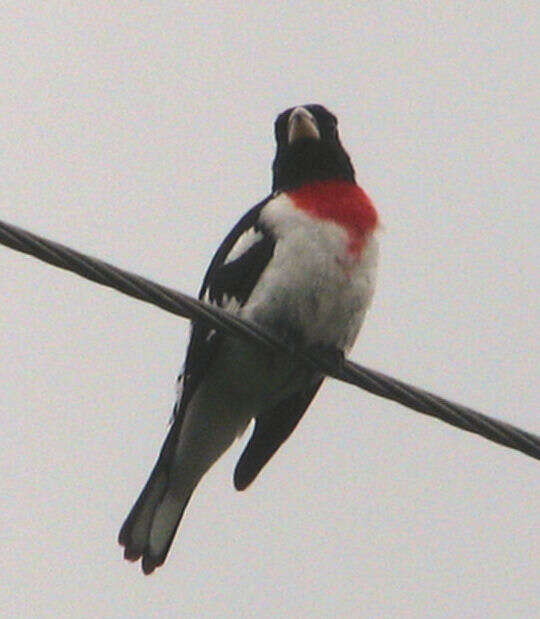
243, 244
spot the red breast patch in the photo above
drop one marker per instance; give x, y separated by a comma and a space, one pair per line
341, 202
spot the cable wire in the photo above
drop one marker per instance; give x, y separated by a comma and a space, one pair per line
186, 306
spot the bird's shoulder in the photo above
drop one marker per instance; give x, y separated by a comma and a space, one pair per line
239, 261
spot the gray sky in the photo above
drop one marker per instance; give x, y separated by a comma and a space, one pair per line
140, 132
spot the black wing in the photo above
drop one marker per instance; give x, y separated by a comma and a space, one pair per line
271, 430
229, 276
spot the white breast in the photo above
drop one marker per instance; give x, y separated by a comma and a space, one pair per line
313, 287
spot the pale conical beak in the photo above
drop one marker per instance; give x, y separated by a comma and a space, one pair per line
302, 124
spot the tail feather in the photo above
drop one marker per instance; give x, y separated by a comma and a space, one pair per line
189, 451
166, 519
149, 529
136, 528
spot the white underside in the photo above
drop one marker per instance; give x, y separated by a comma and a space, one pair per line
313, 282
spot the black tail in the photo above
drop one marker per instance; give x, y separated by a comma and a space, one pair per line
149, 529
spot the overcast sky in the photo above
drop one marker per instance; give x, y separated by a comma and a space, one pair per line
140, 132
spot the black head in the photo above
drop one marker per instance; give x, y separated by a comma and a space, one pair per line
308, 148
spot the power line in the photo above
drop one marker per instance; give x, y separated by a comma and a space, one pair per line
183, 305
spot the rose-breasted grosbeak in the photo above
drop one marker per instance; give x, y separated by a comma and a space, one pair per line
301, 264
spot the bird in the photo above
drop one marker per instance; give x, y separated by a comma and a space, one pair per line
300, 264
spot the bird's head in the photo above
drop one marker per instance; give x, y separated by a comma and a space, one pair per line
308, 148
